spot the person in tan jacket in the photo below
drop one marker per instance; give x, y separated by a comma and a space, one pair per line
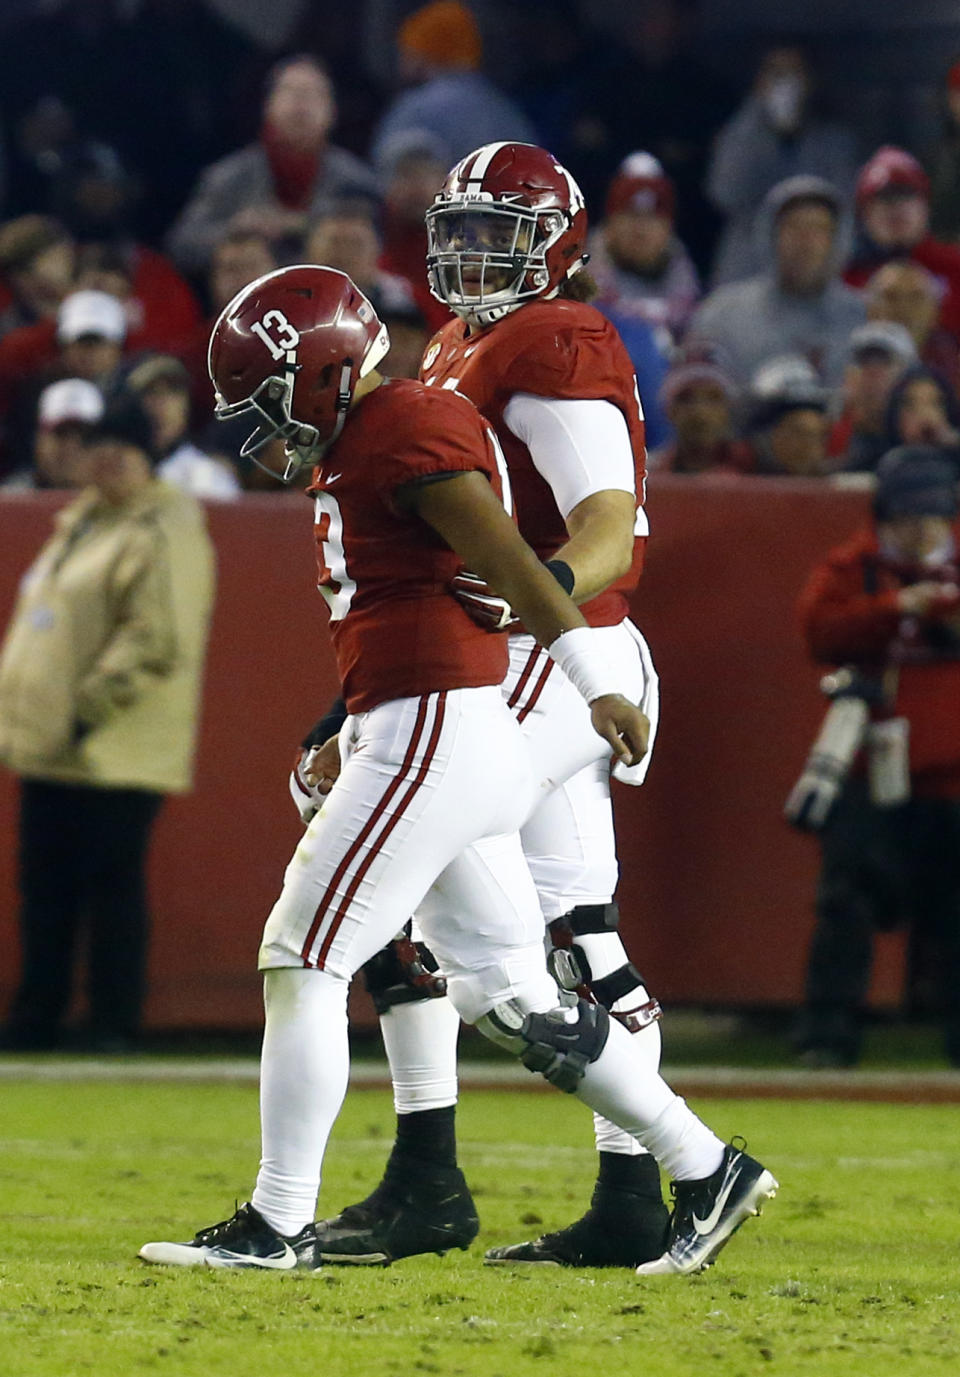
100, 676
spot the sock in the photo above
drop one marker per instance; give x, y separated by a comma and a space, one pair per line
620, 1175
645, 1106
429, 1136
304, 1067
420, 1039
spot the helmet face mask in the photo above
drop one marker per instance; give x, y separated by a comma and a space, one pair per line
508, 226
289, 350
487, 257
270, 403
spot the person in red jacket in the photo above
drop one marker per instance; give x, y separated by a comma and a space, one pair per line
887, 604
893, 213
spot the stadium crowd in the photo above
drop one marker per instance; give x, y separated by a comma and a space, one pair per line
791, 302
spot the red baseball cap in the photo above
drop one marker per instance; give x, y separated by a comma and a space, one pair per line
641, 184
891, 169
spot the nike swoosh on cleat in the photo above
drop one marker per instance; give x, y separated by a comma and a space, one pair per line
223, 1257
706, 1226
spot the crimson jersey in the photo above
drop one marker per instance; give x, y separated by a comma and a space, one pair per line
558, 349
397, 631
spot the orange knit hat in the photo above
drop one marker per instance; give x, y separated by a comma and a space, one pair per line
445, 33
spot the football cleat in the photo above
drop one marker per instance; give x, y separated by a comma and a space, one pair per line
244, 1241
417, 1208
707, 1213
636, 1233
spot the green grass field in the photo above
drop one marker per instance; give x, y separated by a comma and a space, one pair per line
853, 1269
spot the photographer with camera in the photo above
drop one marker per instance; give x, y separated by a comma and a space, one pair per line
882, 783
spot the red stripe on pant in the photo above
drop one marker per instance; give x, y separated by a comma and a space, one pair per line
366, 829
525, 673
374, 851
531, 702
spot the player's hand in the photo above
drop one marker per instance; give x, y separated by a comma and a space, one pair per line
621, 723
313, 775
321, 766
479, 601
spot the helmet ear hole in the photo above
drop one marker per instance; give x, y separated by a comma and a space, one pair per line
324, 378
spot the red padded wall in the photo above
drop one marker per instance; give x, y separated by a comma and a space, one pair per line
715, 888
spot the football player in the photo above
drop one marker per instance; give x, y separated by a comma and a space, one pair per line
434, 777
507, 238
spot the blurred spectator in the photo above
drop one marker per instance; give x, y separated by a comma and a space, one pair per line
409, 337
640, 266
446, 95
910, 295
800, 306
37, 264
271, 186
893, 206
699, 399
239, 258
413, 172
788, 423
943, 161
923, 410
346, 237
162, 384
85, 341
887, 604
99, 693
650, 366
162, 311
775, 135
66, 412
880, 353
91, 331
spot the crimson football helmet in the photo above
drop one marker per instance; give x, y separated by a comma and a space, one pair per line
508, 225
290, 349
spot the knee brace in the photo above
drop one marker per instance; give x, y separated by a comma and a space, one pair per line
404, 971
570, 967
560, 1044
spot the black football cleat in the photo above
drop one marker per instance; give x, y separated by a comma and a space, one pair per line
707, 1213
620, 1229
417, 1208
245, 1241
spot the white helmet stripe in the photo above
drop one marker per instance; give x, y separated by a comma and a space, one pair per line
481, 161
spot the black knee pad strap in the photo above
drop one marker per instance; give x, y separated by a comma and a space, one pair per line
609, 988
562, 1051
389, 981
589, 918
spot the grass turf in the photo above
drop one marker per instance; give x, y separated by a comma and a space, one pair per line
852, 1270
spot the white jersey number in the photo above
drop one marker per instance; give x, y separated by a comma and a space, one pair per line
500, 460
334, 581
287, 336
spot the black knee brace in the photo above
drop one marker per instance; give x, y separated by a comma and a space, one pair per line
402, 973
570, 967
560, 1050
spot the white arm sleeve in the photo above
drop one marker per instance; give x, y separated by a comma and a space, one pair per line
578, 446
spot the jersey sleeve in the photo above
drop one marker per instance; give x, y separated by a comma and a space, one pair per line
438, 433
571, 361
